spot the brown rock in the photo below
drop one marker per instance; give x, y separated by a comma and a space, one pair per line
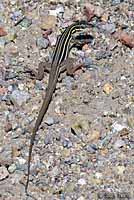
15, 152
8, 127
89, 11
104, 151
93, 136
104, 17
2, 32
48, 22
98, 11
3, 90
11, 49
124, 132
125, 38
107, 88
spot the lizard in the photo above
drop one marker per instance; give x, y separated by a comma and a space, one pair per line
60, 55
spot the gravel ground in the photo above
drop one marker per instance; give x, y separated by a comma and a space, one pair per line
84, 149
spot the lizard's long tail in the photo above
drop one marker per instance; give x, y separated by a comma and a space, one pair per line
40, 117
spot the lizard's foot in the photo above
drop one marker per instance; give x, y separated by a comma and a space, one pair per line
43, 67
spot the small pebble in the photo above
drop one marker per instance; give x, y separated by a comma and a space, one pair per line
2, 44
91, 148
81, 181
10, 88
58, 104
119, 143
13, 2
42, 43
38, 85
106, 140
12, 168
3, 90
11, 49
12, 35
8, 127
81, 124
109, 28
88, 63
120, 170
60, 10
130, 121
116, 2
15, 151
93, 136
55, 171
16, 15
104, 17
117, 127
98, 175
48, 22
19, 97
67, 143
68, 82
52, 39
2, 32
98, 11
21, 161
15, 126
25, 23
48, 139
131, 144
3, 173
21, 86
103, 54
81, 198
107, 88
49, 121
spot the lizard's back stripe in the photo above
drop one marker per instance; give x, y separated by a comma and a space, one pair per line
63, 46
63, 42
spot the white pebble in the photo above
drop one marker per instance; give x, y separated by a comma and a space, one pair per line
98, 175
21, 86
81, 181
117, 127
12, 168
22, 161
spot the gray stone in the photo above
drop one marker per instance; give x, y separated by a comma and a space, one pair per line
42, 43
25, 23
119, 143
91, 148
49, 121
3, 173
19, 97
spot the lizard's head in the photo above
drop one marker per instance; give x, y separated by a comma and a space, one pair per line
79, 26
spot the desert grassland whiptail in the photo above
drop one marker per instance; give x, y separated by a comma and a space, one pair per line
60, 54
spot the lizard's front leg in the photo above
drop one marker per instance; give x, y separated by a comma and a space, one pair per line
70, 65
43, 67
73, 65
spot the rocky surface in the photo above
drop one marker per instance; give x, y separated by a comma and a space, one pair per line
84, 149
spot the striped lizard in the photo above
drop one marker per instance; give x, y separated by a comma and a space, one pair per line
60, 55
